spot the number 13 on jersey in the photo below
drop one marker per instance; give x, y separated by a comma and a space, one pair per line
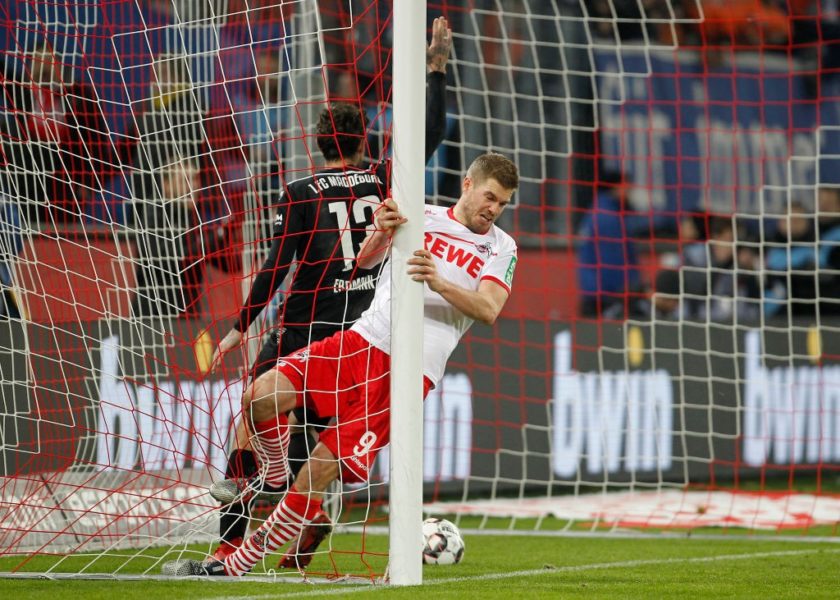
363, 209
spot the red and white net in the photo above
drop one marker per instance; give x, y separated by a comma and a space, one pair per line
719, 408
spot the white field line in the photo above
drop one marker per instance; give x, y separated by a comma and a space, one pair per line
625, 534
288, 577
320, 591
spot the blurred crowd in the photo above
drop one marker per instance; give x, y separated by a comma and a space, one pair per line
723, 268
765, 23
806, 29
719, 267
183, 165
195, 153
178, 168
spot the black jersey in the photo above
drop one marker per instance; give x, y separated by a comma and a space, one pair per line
321, 223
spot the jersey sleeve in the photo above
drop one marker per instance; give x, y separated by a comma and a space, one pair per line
500, 268
288, 225
435, 112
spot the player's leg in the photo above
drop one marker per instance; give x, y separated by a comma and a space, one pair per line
320, 526
351, 445
238, 487
301, 442
299, 507
357, 441
265, 405
241, 466
233, 520
242, 484
364, 444
279, 343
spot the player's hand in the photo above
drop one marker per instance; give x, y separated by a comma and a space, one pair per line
231, 341
388, 217
422, 268
437, 54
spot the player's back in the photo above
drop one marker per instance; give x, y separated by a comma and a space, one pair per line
335, 208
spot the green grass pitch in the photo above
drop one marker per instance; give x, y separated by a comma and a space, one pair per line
501, 566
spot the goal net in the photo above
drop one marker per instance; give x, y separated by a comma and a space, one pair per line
666, 358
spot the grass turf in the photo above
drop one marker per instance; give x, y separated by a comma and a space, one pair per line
497, 566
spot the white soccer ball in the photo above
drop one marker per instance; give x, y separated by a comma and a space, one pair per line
443, 542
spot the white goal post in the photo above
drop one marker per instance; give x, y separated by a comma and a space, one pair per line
405, 565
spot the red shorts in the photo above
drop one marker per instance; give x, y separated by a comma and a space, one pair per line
343, 376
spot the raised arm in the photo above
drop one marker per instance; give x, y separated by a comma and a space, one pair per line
437, 55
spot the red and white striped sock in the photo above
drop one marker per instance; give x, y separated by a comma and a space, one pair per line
272, 445
295, 511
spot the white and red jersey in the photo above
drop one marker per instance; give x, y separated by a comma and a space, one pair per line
462, 257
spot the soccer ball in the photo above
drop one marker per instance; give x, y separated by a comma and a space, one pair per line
443, 542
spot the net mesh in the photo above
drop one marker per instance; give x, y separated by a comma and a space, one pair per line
665, 359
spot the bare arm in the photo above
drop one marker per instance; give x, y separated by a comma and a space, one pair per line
483, 304
378, 242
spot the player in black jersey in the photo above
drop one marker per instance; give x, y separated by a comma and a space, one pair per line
321, 222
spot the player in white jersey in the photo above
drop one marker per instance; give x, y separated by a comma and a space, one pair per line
461, 257
467, 264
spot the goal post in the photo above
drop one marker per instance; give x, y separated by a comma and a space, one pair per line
405, 515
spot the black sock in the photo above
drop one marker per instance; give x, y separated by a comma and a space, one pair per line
300, 445
240, 464
233, 522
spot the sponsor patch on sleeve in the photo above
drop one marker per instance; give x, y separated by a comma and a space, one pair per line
510, 270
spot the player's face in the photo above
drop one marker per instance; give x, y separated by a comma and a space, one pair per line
481, 203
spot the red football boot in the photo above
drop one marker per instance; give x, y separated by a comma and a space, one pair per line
302, 550
226, 548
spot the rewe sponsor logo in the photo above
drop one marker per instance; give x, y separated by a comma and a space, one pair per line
609, 421
791, 414
457, 255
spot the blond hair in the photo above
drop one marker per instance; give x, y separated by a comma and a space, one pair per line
494, 166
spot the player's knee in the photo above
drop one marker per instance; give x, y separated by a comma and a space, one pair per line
271, 394
248, 396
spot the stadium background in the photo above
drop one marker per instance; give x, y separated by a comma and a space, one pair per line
747, 138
